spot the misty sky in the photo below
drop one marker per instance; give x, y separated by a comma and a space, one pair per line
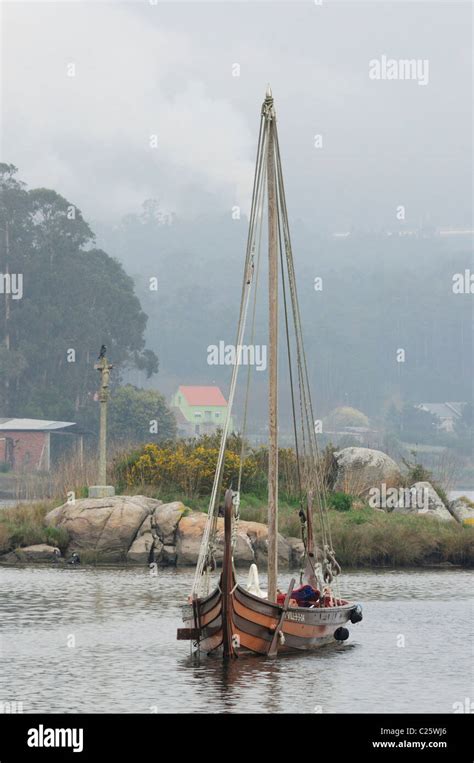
166, 69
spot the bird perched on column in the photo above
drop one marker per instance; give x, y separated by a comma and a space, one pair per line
102, 352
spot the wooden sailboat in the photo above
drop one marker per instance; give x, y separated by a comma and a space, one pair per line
232, 619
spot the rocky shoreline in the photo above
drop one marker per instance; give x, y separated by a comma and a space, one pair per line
138, 530
141, 530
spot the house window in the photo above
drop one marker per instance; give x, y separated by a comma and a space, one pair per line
217, 415
197, 414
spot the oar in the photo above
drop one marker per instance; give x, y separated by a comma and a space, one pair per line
272, 652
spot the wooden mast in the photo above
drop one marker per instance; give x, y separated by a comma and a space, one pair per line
273, 352
311, 559
227, 579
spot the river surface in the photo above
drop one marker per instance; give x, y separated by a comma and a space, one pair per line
104, 640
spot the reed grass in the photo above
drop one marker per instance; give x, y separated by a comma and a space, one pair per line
367, 537
23, 525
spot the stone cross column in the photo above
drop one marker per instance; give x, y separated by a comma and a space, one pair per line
102, 489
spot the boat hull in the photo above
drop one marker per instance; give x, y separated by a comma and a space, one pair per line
250, 623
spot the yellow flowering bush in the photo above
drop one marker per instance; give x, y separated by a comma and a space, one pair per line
188, 468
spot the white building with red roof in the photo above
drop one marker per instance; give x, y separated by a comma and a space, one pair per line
199, 410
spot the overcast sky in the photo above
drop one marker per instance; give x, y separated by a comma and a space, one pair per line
166, 69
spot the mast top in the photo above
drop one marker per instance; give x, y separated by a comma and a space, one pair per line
267, 108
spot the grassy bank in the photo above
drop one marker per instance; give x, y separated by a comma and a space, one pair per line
23, 525
362, 537
368, 538
365, 537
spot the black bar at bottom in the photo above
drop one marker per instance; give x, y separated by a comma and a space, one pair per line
108, 737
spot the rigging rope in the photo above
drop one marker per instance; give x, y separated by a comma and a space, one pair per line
205, 562
252, 333
312, 465
309, 470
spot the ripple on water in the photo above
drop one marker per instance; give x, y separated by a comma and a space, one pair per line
408, 654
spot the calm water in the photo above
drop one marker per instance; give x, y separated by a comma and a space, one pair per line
126, 658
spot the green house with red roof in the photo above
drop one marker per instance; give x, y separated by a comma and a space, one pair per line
199, 410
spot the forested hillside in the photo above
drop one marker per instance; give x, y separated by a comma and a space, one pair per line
63, 299
380, 293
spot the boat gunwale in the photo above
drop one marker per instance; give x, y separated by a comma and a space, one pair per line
338, 607
264, 604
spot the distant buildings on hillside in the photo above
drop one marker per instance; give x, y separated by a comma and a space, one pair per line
447, 413
199, 410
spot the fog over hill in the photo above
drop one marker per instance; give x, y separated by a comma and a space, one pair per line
379, 294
